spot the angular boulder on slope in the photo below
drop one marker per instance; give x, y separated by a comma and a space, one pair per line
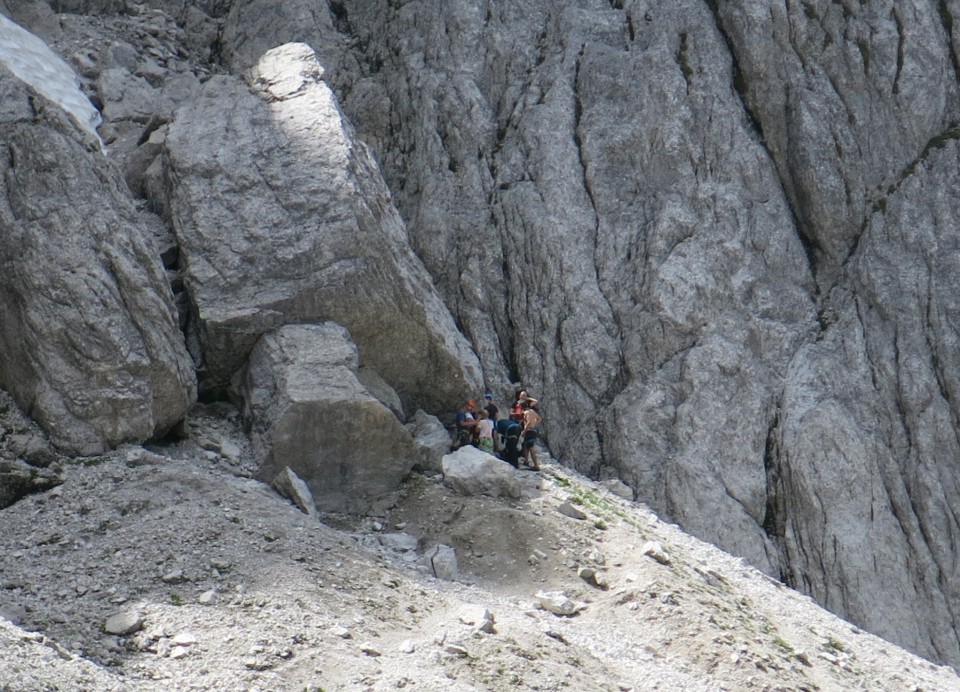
89, 342
307, 410
471, 471
18, 479
282, 217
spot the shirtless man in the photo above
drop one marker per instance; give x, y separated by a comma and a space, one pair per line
529, 434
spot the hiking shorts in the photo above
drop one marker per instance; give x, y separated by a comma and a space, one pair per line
530, 438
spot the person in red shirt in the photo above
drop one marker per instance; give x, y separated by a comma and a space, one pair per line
516, 411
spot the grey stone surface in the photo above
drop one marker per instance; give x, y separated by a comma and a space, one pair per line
827, 84
292, 487
431, 439
307, 411
655, 551
865, 448
18, 478
470, 471
443, 563
622, 245
716, 240
123, 623
282, 217
557, 602
89, 344
254, 27
569, 510
619, 488
400, 542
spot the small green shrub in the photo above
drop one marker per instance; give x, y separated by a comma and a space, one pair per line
835, 644
783, 644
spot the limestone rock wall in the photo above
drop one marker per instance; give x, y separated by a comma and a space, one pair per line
716, 238
666, 220
621, 244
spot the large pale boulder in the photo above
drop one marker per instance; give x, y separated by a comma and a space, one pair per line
470, 471
282, 217
307, 411
89, 342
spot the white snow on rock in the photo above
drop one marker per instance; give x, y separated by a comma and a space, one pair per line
35, 63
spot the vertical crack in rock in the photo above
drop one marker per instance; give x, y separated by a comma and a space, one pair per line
617, 382
685, 68
809, 243
775, 510
739, 80
578, 138
902, 39
900, 403
939, 372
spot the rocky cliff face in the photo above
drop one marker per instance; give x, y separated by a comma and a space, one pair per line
717, 239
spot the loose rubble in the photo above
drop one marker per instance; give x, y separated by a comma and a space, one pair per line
169, 568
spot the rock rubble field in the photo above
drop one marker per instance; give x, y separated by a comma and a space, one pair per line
168, 567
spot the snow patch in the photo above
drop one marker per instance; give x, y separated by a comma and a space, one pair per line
33, 62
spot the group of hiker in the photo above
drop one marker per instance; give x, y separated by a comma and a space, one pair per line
510, 438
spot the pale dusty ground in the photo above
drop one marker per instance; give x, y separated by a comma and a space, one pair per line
304, 605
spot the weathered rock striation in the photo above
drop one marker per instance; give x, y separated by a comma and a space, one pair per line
716, 239
89, 344
622, 244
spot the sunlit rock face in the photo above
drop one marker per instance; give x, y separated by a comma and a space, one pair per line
715, 240
282, 217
